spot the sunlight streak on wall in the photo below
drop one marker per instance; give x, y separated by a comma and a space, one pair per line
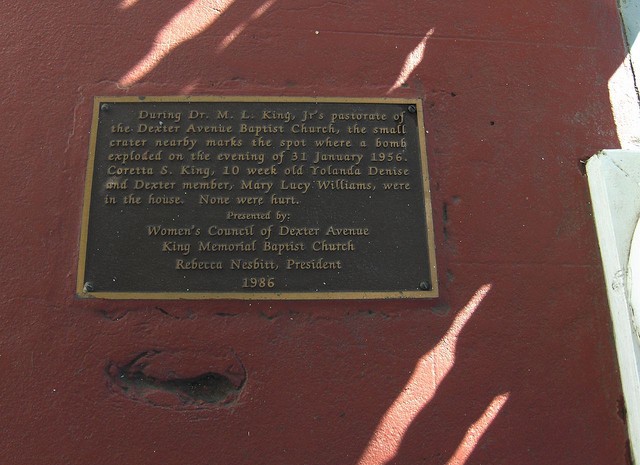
126, 4
192, 20
186, 90
412, 61
477, 430
429, 372
243, 25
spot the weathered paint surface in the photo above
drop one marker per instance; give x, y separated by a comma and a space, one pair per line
513, 364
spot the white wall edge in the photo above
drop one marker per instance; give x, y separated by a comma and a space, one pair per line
614, 183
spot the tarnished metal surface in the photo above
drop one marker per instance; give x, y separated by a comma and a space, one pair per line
255, 198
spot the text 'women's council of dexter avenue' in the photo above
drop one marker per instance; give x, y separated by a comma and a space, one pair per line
257, 197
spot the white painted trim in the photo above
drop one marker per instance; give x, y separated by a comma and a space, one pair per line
614, 182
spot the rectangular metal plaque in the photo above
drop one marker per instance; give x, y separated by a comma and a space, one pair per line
257, 198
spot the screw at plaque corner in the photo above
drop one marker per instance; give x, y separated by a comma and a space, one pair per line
88, 287
104, 107
425, 286
412, 108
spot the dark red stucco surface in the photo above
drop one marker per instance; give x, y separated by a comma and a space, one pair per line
515, 96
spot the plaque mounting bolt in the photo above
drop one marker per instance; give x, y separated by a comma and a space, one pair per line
104, 107
412, 108
425, 286
88, 287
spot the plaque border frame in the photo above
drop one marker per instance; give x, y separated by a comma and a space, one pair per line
256, 295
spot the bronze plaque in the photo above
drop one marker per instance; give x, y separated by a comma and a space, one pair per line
257, 198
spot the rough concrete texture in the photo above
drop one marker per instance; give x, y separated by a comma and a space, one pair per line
513, 364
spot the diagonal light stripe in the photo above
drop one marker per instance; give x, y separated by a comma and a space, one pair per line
412, 61
429, 372
189, 22
243, 25
126, 4
477, 430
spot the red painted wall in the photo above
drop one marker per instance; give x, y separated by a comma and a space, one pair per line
513, 364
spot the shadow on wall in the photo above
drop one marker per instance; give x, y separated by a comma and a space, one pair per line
424, 404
